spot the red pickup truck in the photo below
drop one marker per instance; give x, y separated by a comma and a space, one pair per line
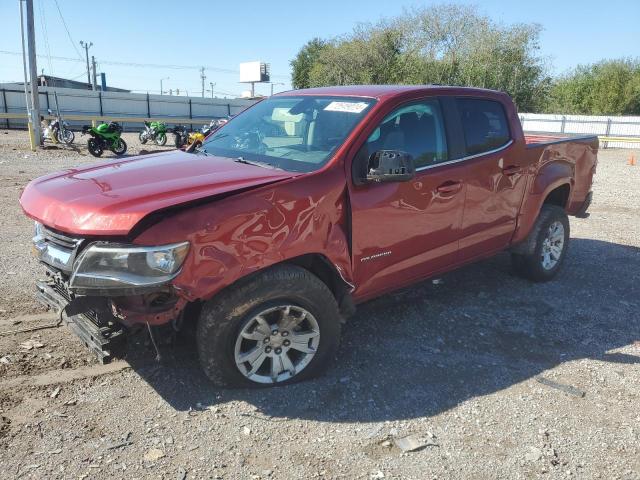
301, 207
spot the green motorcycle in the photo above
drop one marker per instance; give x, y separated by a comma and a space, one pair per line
106, 136
156, 131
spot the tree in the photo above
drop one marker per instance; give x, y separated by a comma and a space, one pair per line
446, 44
305, 60
609, 87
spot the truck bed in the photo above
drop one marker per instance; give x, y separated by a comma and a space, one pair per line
538, 139
576, 156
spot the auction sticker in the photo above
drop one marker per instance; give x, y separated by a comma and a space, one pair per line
348, 107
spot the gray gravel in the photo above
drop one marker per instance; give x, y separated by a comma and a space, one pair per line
455, 364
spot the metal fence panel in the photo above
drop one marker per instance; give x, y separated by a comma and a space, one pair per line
119, 104
605, 126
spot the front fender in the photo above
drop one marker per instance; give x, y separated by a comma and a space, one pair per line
250, 231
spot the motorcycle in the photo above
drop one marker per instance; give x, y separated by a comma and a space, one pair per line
156, 131
58, 131
106, 136
197, 138
181, 135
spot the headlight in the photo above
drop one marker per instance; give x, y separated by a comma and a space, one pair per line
103, 265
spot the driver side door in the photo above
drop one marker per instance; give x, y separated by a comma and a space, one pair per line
403, 231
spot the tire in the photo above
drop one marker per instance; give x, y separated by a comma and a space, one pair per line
161, 139
68, 139
550, 236
95, 147
142, 137
225, 321
121, 149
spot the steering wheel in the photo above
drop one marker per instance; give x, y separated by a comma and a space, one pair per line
251, 140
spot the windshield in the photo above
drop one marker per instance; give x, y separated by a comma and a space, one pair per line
292, 133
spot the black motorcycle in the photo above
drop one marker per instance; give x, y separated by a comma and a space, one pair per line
181, 135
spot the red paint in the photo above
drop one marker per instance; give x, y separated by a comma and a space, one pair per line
379, 237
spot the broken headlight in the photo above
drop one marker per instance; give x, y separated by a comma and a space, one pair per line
104, 265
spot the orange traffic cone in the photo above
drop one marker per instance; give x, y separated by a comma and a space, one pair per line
632, 160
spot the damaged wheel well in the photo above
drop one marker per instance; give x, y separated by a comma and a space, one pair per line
322, 268
558, 196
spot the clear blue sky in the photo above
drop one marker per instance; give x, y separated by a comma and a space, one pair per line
223, 34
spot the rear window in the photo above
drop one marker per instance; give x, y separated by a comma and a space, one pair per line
484, 124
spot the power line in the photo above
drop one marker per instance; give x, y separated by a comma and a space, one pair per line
67, 29
146, 65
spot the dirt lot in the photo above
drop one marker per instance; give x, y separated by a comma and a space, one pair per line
458, 363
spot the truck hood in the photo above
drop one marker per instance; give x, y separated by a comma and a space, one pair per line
111, 198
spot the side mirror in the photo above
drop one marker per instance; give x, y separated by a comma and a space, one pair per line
390, 166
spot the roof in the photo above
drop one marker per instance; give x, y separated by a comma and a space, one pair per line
378, 91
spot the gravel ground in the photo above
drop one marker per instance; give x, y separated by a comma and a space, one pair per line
458, 365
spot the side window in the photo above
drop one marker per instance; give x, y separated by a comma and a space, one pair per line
484, 124
417, 129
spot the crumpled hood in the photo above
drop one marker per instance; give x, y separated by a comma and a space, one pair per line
111, 198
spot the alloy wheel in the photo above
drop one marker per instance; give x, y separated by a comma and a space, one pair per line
552, 245
277, 344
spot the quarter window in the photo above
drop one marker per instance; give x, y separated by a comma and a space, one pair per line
484, 124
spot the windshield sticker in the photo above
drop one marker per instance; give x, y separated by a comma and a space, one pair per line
348, 107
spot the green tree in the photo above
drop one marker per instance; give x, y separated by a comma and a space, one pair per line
445, 44
609, 87
305, 60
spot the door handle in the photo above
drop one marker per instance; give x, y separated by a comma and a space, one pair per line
449, 187
512, 170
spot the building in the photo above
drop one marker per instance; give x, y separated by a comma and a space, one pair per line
51, 81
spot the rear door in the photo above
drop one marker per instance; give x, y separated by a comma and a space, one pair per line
403, 231
493, 175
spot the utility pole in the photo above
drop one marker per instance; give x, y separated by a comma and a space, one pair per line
33, 74
272, 84
203, 77
86, 47
211, 84
161, 88
93, 73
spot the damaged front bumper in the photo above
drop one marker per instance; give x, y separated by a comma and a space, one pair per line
103, 323
96, 327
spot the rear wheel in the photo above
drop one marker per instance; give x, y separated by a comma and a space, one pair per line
95, 147
279, 327
161, 139
551, 241
120, 148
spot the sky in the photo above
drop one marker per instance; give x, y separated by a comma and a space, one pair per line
221, 35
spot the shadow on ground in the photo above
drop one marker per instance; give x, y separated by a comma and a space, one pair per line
427, 348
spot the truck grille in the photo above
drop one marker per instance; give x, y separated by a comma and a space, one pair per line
59, 239
56, 249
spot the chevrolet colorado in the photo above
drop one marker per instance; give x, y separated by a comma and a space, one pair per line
299, 208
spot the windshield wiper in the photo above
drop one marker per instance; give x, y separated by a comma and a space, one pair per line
202, 150
253, 162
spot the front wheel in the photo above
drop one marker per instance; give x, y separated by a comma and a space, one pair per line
95, 147
142, 136
120, 147
279, 327
550, 235
67, 137
161, 139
